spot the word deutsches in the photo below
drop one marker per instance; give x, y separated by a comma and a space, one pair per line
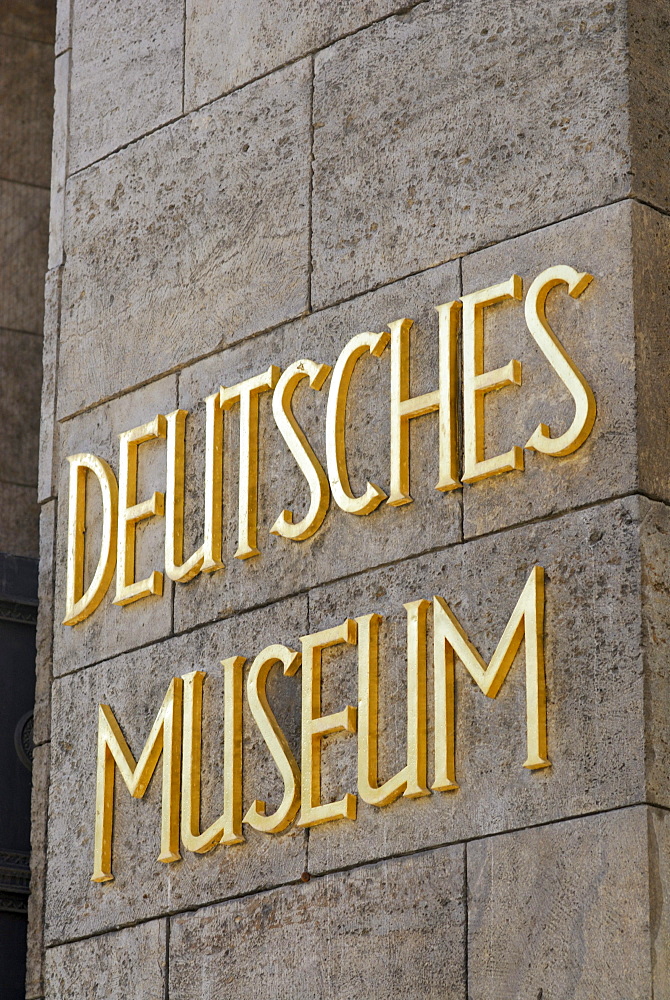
177, 730
121, 510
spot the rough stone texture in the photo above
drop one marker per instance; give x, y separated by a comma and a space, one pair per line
21, 367
485, 135
128, 963
659, 885
121, 91
59, 159
598, 332
38, 860
167, 260
651, 270
134, 685
649, 24
111, 628
511, 136
45, 625
26, 72
393, 930
595, 685
345, 543
19, 525
28, 19
562, 911
24, 215
655, 593
266, 36
63, 26
47, 425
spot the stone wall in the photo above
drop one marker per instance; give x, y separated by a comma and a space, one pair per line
26, 106
240, 184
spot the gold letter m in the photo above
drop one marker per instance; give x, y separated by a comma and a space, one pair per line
165, 737
526, 622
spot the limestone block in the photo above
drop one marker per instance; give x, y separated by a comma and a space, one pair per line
649, 30
167, 261
45, 625
345, 543
38, 860
265, 37
112, 628
127, 963
134, 685
63, 26
659, 884
424, 151
655, 593
561, 911
26, 78
21, 368
24, 228
595, 685
19, 525
28, 19
48, 428
598, 332
59, 158
121, 91
394, 930
651, 269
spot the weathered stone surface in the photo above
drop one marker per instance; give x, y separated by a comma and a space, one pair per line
121, 91
38, 868
63, 26
594, 676
426, 151
394, 930
47, 424
598, 332
266, 36
26, 72
21, 368
127, 963
59, 158
134, 685
562, 911
19, 524
45, 625
651, 270
112, 628
659, 886
655, 594
24, 227
345, 543
167, 261
28, 19
649, 27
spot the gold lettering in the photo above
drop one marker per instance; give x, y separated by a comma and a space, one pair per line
527, 623
207, 558
477, 382
79, 604
227, 829
247, 393
336, 414
404, 408
165, 738
411, 780
585, 404
315, 727
301, 450
274, 739
129, 589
